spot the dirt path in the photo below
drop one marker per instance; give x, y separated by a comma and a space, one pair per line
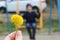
43, 36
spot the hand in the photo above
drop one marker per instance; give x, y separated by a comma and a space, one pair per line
37, 14
22, 14
14, 36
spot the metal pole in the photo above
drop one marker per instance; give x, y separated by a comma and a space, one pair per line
41, 17
17, 6
8, 21
50, 22
58, 3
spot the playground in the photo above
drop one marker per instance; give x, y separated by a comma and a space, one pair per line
41, 34
50, 29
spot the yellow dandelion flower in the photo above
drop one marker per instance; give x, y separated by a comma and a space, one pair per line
17, 20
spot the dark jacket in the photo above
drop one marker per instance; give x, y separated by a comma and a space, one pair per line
30, 17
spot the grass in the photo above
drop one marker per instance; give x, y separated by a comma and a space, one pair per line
4, 28
54, 25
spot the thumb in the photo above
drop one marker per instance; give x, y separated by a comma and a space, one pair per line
10, 36
19, 35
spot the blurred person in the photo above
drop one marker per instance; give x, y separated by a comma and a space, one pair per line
30, 17
14, 36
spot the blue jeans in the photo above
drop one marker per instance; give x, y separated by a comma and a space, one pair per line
33, 32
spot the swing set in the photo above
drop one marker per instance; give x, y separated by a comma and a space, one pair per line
17, 11
41, 13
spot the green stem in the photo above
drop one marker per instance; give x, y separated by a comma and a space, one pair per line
16, 28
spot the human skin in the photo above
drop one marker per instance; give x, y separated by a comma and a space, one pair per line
14, 36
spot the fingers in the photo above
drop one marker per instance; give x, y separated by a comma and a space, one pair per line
22, 14
19, 35
14, 36
11, 36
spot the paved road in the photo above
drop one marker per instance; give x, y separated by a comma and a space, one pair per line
43, 36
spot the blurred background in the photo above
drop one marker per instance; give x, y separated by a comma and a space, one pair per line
46, 19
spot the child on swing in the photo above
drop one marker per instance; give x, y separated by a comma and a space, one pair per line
30, 17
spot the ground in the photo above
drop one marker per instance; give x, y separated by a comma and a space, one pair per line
41, 36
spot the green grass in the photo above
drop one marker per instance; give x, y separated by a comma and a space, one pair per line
54, 25
4, 28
